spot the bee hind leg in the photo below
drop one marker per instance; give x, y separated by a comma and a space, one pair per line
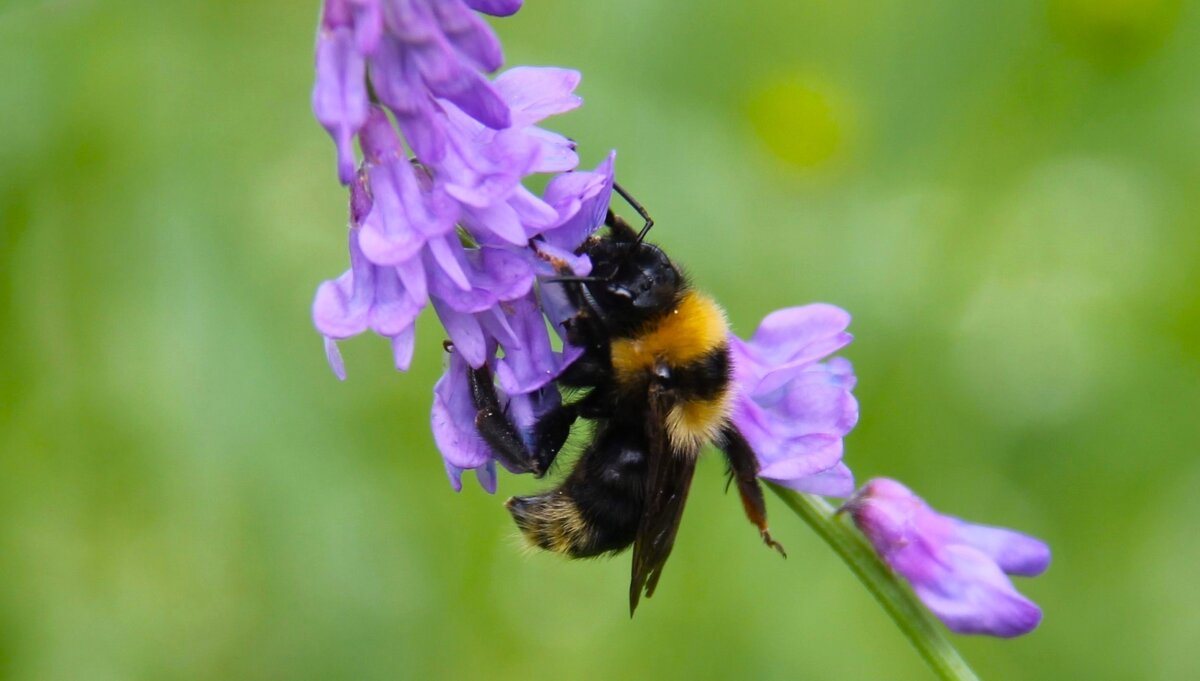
743, 469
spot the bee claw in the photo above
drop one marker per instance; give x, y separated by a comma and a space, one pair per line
770, 541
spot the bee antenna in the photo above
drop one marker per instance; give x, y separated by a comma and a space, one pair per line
640, 211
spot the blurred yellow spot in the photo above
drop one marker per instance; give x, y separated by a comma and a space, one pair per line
798, 122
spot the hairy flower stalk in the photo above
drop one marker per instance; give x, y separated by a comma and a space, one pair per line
439, 217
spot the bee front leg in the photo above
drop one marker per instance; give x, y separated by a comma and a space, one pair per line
493, 425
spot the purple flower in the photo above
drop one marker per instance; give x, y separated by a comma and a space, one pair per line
792, 408
957, 569
452, 226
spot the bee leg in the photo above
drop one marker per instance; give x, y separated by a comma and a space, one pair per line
743, 469
493, 425
495, 428
550, 433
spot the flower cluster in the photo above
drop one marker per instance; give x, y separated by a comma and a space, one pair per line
958, 569
451, 225
439, 216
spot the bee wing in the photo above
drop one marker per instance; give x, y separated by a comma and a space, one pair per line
668, 479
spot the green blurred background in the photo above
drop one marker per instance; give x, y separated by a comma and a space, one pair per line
1002, 193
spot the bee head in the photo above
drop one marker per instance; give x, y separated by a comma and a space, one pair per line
643, 278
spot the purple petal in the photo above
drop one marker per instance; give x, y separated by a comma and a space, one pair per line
392, 311
799, 457
532, 364
402, 347
1014, 552
495, 323
465, 332
972, 596
450, 79
453, 419
412, 275
337, 312
507, 275
810, 403
837, 481
342, 307
470, 35
447, 255
496, 8
389, 236
454, 473
334, 355
499, 219
536, 93
379, 140
581, 199
534, 213
486, 475
368, 25
339, 97
788, 340
552, 152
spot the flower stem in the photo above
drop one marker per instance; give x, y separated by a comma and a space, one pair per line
896, 598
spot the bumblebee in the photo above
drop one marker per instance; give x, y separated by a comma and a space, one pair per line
655, 380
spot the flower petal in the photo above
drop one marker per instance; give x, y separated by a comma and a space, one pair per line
1014, 552
334, 355
453, 419
836, 481
535, 93
973, 596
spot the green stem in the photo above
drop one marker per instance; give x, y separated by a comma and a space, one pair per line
895, 597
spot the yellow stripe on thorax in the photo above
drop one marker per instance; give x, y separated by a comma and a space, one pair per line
694, 328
